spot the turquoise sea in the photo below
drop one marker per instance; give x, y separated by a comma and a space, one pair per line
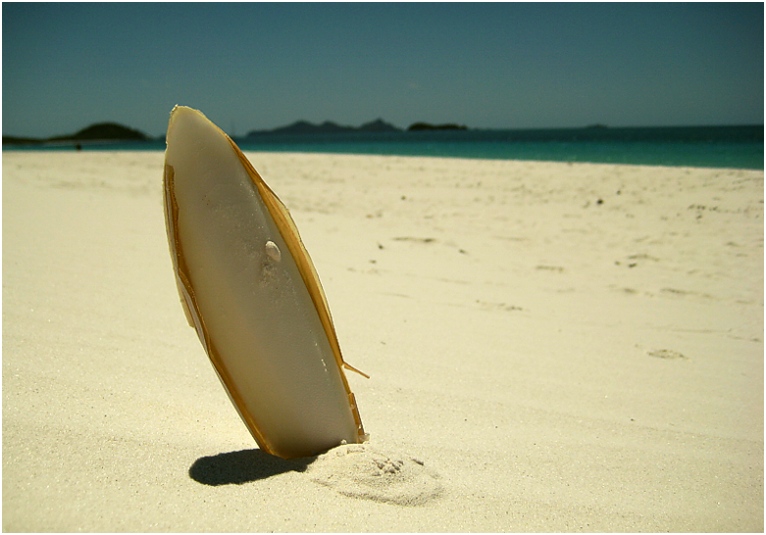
719, 146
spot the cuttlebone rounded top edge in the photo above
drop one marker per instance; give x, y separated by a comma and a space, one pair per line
196, 147
190, 120
180, 111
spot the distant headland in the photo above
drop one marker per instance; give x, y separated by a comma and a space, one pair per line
329, 127
94, 132
114, 132
427, 126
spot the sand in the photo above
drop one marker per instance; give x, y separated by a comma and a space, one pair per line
552, 347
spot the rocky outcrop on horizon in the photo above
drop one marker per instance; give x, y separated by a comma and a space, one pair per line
327, 127
95, 132
99, 131
427, 126
110, 131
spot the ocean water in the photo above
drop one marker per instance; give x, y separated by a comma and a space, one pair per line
720, 146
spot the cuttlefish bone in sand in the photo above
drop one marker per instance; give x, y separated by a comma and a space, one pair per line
249, 288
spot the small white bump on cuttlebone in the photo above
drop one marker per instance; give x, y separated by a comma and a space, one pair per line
272, 250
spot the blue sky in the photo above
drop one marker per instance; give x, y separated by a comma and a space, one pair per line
255, 65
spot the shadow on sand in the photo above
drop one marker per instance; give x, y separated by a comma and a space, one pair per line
238, 467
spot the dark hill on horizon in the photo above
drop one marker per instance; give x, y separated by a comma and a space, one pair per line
96, 132
110, 131
327, 127
101, 131
415, 127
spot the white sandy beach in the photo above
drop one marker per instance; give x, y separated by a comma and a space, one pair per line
561, 347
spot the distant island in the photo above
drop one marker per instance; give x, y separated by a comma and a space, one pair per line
114, 132
427, 126
95, 132
327, 127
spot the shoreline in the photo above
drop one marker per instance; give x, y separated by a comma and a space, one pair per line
709, 147
271, 153
554, 363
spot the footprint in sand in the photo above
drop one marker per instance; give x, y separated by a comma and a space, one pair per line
360, 471
667, 354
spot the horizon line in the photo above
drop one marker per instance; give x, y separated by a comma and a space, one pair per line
591, 126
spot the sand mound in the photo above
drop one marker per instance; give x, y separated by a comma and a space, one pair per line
360, 471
